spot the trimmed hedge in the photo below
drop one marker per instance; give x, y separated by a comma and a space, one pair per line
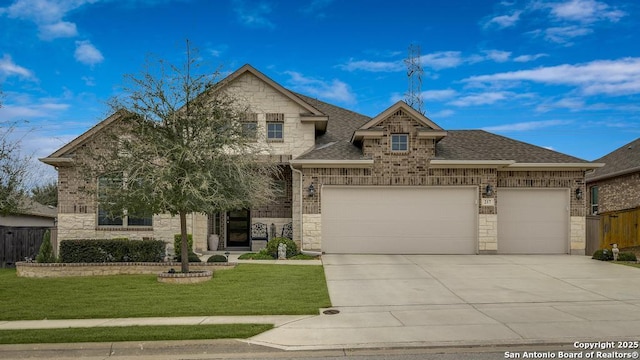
177, 245
603, 255
627, 256
217, 258
111, 250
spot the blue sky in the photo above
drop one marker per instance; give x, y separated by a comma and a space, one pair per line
563, 74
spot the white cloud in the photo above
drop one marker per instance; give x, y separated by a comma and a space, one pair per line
527, 126
372, 66
334, 90
48, 15
563, 34
441, 114
253, 14
58, 30
486, 98
19, 112
528, 58
442, 60
503, 21
608, 77
497, 55
316, 8
89, 80
585, 11
8, 68
438, 95
87, 54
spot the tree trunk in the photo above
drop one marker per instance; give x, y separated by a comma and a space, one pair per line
184, 244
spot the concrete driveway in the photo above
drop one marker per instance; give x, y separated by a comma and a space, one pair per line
430, 300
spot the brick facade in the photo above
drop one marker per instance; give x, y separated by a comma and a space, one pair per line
618, 193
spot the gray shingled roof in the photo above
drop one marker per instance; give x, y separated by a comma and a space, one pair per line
621, 161
482, 145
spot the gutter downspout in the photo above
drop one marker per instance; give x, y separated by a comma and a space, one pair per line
302, 250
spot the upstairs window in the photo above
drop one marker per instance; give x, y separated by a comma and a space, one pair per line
594, 200
399, 142
275, 131
249, 122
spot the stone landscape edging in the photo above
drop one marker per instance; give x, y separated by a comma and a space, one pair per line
44, 270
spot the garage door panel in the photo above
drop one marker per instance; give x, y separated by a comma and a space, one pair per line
399, 220
533, 221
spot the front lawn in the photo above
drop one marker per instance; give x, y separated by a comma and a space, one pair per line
132, 333
249, 289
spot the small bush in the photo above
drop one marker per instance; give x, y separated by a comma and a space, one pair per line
177, 242
45, 255
217, 258
272, 247
627, 256
102, 250
603, 255
193, 258
256, 256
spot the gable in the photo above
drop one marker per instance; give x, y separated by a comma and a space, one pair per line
622, 161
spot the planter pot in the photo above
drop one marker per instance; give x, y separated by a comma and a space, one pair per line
192, 277
213, 241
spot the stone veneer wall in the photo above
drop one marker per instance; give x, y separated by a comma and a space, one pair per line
311, 232
35, 270
487, 233
578, 237
615, 194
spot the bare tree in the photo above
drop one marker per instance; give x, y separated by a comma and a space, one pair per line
13, 171
181, 148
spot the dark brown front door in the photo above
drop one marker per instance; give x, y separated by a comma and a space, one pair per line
238, 228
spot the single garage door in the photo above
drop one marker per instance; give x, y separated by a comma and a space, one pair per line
399, 220
533, 221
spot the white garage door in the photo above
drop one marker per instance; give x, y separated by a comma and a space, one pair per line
399, 220
533, 221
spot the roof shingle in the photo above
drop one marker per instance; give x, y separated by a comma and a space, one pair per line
623, 160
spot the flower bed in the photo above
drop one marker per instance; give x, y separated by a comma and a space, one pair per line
38, 270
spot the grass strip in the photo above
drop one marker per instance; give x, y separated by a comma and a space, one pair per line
249, 289
132, 333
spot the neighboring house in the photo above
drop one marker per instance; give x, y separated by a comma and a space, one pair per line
396, 183
614, 194
21, 234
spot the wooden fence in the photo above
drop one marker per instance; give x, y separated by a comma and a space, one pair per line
18, 243
593, 234
620, 227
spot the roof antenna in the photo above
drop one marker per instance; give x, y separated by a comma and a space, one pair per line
413, 96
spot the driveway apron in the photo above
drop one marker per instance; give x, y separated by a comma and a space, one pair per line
450, 300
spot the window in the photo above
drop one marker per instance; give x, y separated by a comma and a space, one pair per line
594, 200
399, 142
106, 219
249, 128
275, 131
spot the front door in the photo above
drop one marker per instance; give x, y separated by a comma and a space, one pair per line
238, 228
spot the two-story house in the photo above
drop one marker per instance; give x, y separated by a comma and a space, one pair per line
396, 183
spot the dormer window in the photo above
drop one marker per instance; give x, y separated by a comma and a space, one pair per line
399, 142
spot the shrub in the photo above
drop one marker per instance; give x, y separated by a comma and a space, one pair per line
45, 255
272, 247
603, 255
304, 257
217, 258
262, 255
103, 250
193, 258
177, 242
627, 256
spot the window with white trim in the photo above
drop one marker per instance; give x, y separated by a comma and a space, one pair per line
399, 142
593, 200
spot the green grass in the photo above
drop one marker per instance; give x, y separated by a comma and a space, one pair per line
632, 264
132, 333
249, 289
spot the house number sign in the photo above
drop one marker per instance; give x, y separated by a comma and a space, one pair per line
488, 202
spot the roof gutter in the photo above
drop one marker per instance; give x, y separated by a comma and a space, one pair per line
615, 174
304, 164
554, 166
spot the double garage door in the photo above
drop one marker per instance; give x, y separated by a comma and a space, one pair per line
399, 220
440, 220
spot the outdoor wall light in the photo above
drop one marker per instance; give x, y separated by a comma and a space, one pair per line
488, 191
312, 190
579, 194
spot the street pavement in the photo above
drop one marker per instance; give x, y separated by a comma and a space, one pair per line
400, 301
